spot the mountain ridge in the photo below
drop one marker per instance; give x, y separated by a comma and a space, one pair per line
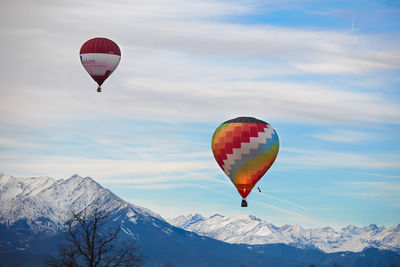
33, 210
57, 199
248, 229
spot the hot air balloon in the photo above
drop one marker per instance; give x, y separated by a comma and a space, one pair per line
100, 57
245, 149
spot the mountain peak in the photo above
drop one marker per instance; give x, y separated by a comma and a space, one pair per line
43, 197
216, 216
76, 180
4, 178
248, 229
196, 215
75, 177
373, 226
254, 218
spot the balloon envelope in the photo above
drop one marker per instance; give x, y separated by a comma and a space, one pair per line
245, 149
100, 57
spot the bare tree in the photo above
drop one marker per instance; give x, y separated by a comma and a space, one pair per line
67, 257
91, 242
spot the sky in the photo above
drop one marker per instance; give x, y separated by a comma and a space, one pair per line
324, 74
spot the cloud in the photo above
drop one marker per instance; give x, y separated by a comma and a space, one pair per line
343, 136
181, 178
382, 175
186, 66
12, 143
375, 190
178, 63
285, 201
307, 50
160, 186
61, 167
299, 158
152, 99
298, 218
366, 195
384, 186
175, 26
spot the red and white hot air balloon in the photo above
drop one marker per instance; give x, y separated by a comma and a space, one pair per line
100, 57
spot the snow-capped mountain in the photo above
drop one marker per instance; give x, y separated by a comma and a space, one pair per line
56, 200
251, 230
33, 212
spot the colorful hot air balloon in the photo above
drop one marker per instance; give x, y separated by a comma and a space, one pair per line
100, 57
245, 149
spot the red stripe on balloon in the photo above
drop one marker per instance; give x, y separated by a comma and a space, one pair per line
100, 45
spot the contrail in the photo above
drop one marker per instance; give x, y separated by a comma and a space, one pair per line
286, 201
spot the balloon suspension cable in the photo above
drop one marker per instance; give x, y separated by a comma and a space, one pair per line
244, 202
99, 89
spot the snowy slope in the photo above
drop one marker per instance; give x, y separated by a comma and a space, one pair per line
251, 230
36, 198
33, 212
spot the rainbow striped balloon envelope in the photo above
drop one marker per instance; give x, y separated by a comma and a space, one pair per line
245, 148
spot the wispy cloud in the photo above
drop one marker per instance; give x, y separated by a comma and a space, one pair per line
63, 167
343, 136
311, 51
383, 175
326, 159
285, 201
366, 195
385, 186
387, 192
175, 179
163, 186
300, 218
198, 63
154, 99
179, 67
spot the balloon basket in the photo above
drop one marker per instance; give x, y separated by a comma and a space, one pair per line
99, 89
244, 203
